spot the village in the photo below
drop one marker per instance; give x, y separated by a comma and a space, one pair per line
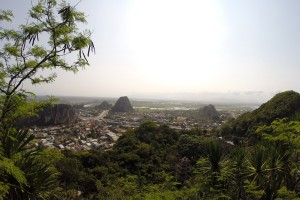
101, 130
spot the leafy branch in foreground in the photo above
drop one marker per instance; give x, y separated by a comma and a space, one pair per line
47, 42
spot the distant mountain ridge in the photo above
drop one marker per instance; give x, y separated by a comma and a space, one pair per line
122, 105
282, 105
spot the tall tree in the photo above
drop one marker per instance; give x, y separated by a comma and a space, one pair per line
46, 42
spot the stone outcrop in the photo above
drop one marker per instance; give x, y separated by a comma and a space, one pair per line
209, 112
54, 115
104, 106
122, 105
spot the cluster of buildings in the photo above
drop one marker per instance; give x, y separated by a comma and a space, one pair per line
102, 130
79, 136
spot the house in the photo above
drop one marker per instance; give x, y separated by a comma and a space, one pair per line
113, 136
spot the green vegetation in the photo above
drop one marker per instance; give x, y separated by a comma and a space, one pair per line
161, 163
149, 162
24, 174
285, 104
156, 162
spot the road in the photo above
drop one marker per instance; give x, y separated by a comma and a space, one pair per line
98, 117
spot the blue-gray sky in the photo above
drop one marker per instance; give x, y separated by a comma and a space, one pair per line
244, 50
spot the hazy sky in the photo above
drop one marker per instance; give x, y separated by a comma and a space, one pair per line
244, 50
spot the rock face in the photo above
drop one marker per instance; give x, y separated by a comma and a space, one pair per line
209, 112
58, 114
122, 105
104, 106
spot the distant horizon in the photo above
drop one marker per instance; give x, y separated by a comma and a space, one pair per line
232, 51
205, 98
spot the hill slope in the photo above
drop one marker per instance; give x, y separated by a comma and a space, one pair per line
284, 104
122, 105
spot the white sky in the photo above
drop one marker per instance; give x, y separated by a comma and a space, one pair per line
244, 50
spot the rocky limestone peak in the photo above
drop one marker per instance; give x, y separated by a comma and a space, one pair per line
209, 112
104, 106
52, 115
122, 105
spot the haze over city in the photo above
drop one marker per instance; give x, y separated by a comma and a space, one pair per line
184, 50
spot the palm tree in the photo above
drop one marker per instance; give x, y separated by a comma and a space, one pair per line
24, 176
265, 169
216, 168
215, 154
258, 165
238, 165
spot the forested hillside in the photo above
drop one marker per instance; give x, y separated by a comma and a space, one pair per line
156, 162
285, 104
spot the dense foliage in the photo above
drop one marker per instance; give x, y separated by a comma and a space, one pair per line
150, 162
46, 42
156, 162
284, 104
